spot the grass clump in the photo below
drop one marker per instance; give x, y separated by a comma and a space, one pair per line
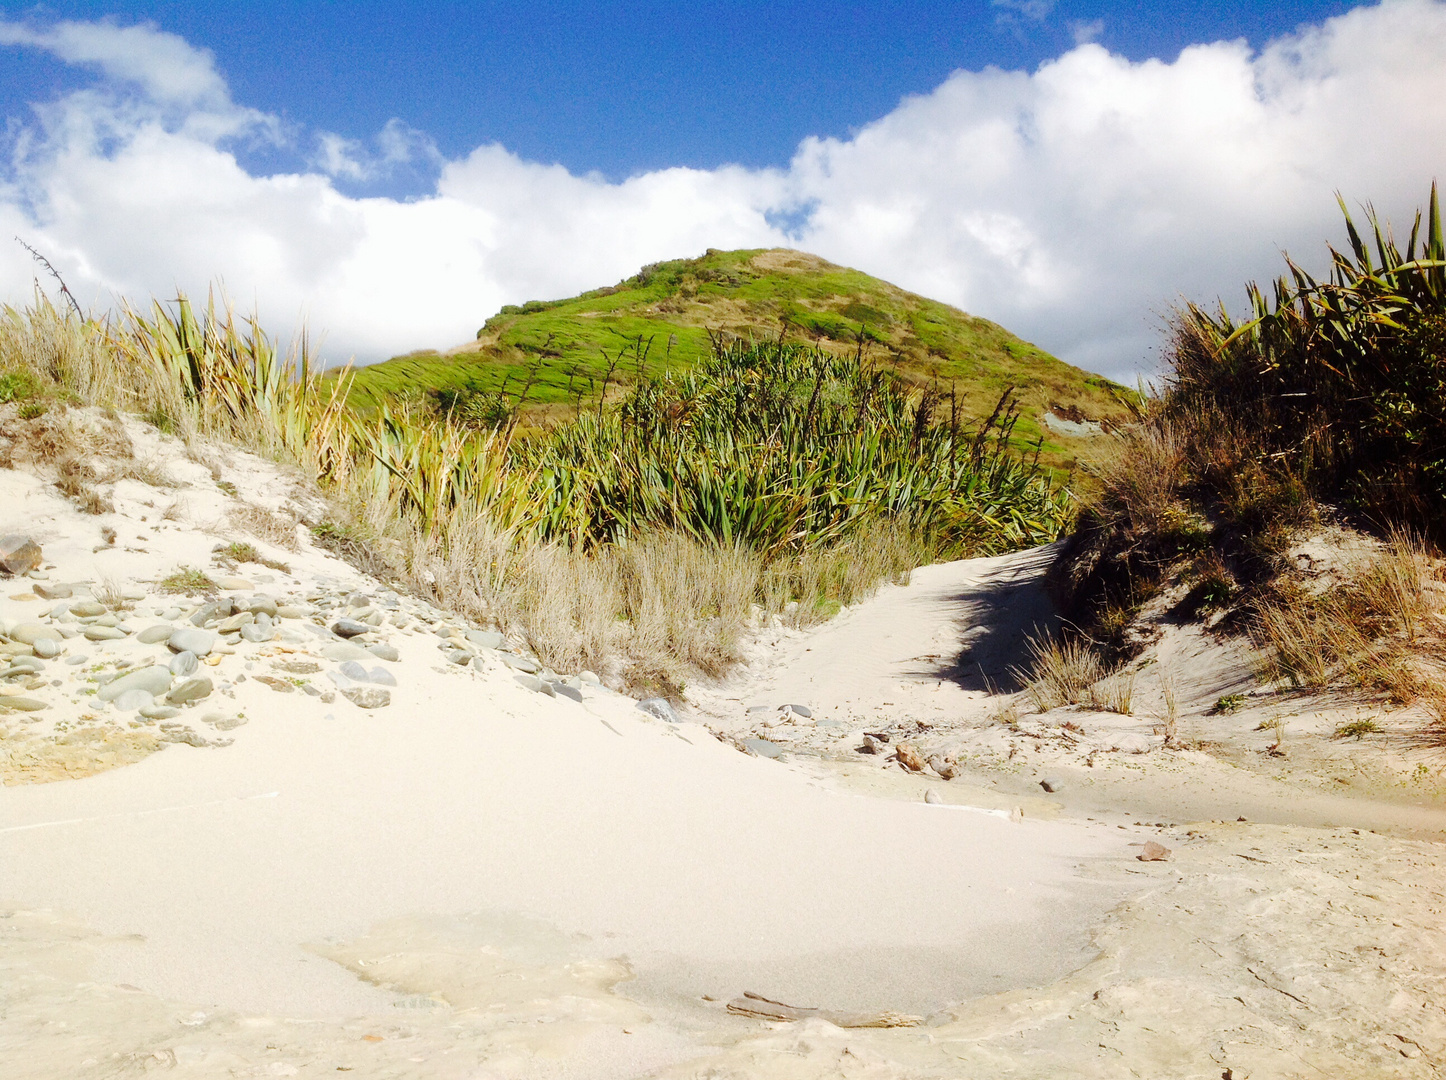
188, 580
1356, 729
241, 552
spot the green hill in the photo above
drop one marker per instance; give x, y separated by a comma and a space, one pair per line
667, 316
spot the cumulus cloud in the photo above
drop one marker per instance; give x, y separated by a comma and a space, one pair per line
1073, 204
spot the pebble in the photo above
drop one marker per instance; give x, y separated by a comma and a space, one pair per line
153, 680
562, 689
350, 628
46, 647
1051, 784
171, 614
459, 656
53, 592
200, 642
258, 632
487, 639
23, 704
153, 635
367, 697
343, 650
193, 689
798, 710
288, 611
104, 633
87, 608
133, 699
261, 604
25, 663
932, 796
660, 709
159, 712
184, 663
382, 651
590, 677
763, 748
28, 633
77, 660
521, 663
235, 622
532, 682
233, 584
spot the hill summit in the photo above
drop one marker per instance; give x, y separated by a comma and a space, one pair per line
669, 315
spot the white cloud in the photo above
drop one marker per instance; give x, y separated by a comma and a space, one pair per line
1074, 204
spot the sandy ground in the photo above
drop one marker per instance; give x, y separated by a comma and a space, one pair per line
481, 880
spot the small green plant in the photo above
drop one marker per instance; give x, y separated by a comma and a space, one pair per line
240, 552
227, 488
1227, 704
1357, 729
31, 409
188, 580
18, 386
161, 420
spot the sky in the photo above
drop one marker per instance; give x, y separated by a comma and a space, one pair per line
392, 175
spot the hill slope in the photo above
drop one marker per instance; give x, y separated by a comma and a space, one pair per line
666, 316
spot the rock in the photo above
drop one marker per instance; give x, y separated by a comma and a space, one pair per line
281, 686
183, 664
590, 677
529, 682
763, 748
798, 710
1051, 784
25, 663
227, 723
487, 639
29, 633
659, 709
171, 614
947, 769
133, 699
193, 689
1153, 852
153, 635
234, 623
19, 554
871, 745
104, 633
289, 611
386, 652
350, 628
154, 680
298, 667
159, 712
46, 647
86, 609
53, 592
381, 677
343, 650
258, 632
261, 604
200, 642
233, 584
932, 796
77, 660
23, 704
524, 664
561, 689
367, 697
907, 754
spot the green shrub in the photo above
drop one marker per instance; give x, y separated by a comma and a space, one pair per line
18, 386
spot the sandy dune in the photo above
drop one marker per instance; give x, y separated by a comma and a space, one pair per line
481, 880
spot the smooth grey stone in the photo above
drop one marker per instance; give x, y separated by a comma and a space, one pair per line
307, 688
28, 633
46, 647
340, 679
659, 708
291, 637
256, 632
77, 660
561, 689
151, 635
104, 633
133, 699
353, 670
171, 614
183, 664
459, 656
200, 642
233, 584
367, 697
529, 682
358, 599
763, 748
23, 704
193, 689
521, 663
87, 608
1051, 784
26, 663
932, 796
589, 677
321, 632
261, 604
103, 620
234, 623
383, 651
289, 611
56, 591
799, 710
479, 664
381, 677
343, 650
153, 680
159, 712
350, 628
229, 640
374, 619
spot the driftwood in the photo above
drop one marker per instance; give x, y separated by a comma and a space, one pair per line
762, 1008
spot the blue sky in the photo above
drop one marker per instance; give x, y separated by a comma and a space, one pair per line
391, 176
624, 88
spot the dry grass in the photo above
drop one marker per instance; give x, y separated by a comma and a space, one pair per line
1382, 628
269, 526
1060, 672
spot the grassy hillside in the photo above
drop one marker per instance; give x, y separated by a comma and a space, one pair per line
567, 353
